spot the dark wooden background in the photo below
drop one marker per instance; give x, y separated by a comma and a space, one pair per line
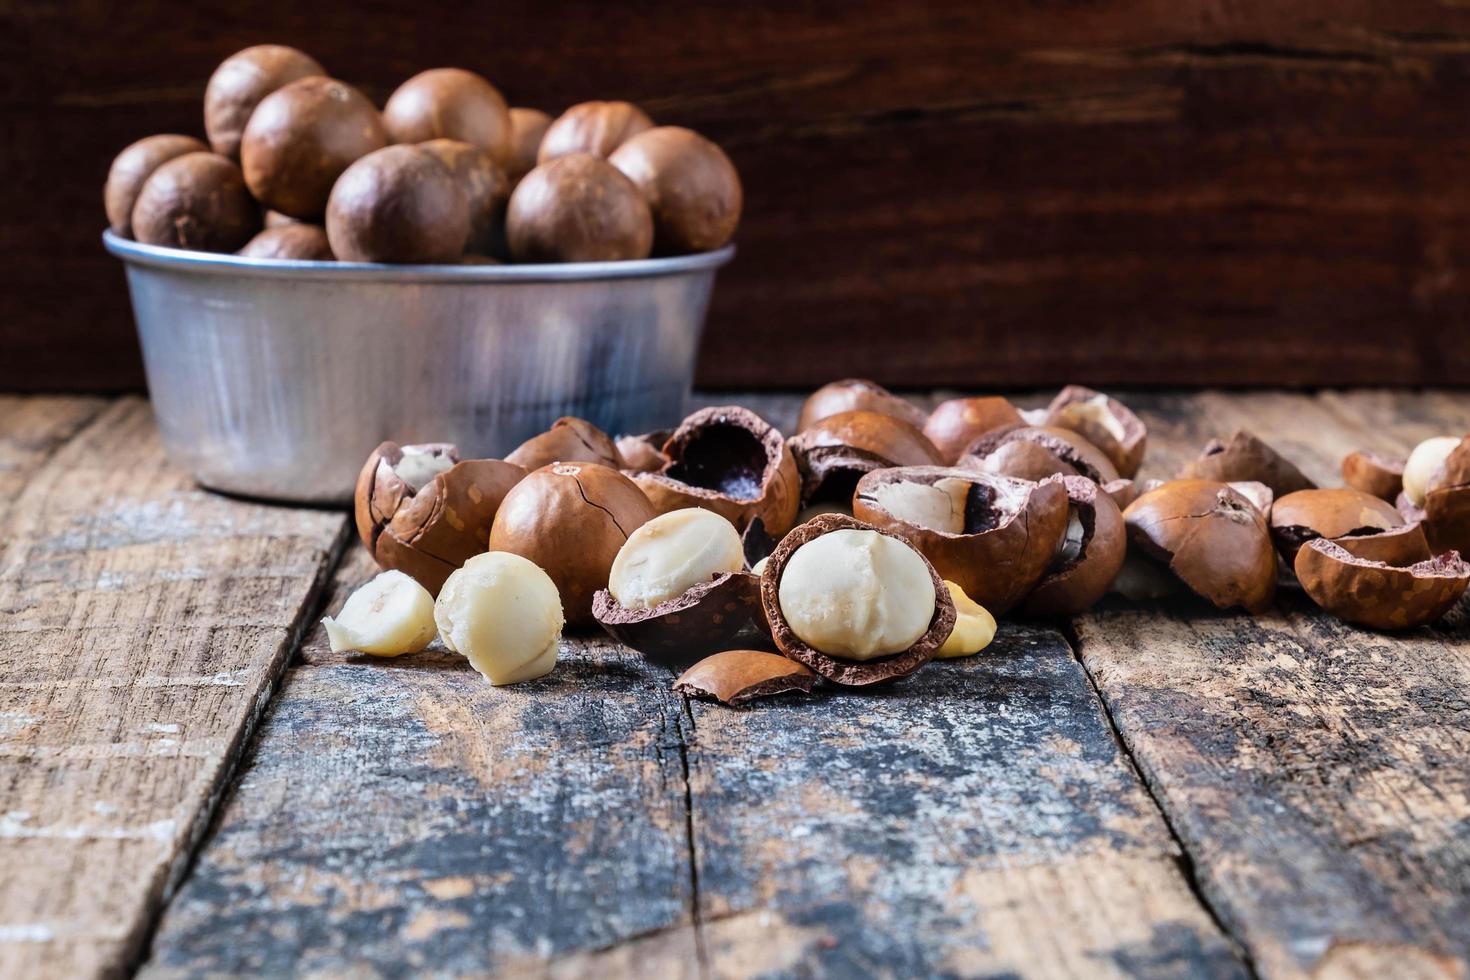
951, 192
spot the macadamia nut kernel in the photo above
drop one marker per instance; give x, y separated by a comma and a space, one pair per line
1427, 457
857, 594
503, 613
420, 464
974, 627
671, 554
387, 617
938, 506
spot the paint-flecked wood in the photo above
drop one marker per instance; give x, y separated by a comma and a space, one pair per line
1314, 771
143, 624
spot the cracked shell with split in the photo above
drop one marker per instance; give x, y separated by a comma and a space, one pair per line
1103, 421
1377, 594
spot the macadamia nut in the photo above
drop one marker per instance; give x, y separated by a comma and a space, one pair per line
938, 506
671, 554
1426, 458
857, 594
974, 627
387, 617
420, 465
503, 613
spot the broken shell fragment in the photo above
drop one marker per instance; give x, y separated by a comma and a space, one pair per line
740, 676
643, 454
569, 440
1036, 452
1088, 557
1376, 594
1308, 514
1399, 546
1447, 502
1245, 457
1382, 476
834, 452
1103, 421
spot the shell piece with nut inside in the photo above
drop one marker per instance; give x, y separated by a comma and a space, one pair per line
1376, 594
974, 627
1087, 559
387, 616
955, 424
740, 676
833, 453
1103, 421
855, 604
503, 614
851, 394
1327, 513
1447, 501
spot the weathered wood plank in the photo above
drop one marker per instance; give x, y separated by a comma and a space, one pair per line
31, 429
1314, 771
145, 622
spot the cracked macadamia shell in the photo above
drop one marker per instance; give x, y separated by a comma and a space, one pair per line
643, 453
690, 185
704, 617
1209, 535
728, 460
422, 510
1382, 476
295, 242
994, 536
833, 453
594, 128
1399, 546
454, 104
1246, 458
504, 615
571, 519
1103, 421
195, 201
569, 440
1447, 502
955, 424
1376, 594
739, 676
132, 168
399, 204
1327, 513
240, 83
853, 394
1031, 452
858, 597
1087, 559
577, 208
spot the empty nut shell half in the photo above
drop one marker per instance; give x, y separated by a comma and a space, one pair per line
706, 617
430, 530
1382, 476
1034, 452
1308, 514
956, 423
998, 538
1089, 557
1447, 502
851, 394
1245, 457
569, 440
1376, 594
740, 676
1210, 536
1103, 421
728, 460
834, 452
1399, 546
851, 673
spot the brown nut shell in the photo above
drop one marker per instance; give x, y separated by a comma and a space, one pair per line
577, 208
705, 618
851, 673
454, 104
690, 184
834, 452
527, 127
296, 241
131, 169
486, 192
1378, 595
729, 460
571, 519
301, 138
739, 676
1012, 529
1103, 421
1123, 492
851, 394
196, 201
1246, 457
955, 424
1075, 581
1332, 513
1034, 452
1447, 502
596, 128
645, 453
240, 83
1212, 537
1382, 476
398, 204
1398, 546
569, 440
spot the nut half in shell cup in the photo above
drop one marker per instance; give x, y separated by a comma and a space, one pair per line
1103, 421
738, 677
1084, 567
1327, 513
1376, 594
1005, 543
1447, 502
850, 673
705, 618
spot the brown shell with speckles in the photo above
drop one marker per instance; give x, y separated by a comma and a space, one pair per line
851, 673
1376, 594
738, 676
1246, 457
1382, 476
706, 617
1307, 514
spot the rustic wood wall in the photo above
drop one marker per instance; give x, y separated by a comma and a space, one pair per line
976, 194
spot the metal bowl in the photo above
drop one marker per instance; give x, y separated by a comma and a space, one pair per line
276, 379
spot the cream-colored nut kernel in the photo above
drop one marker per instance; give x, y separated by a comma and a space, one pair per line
938, 506
503, 613
388, 616
1426, 458
1070, 547
1093, 410
671, 554
419, 466
857, 594
974, 627
759, 568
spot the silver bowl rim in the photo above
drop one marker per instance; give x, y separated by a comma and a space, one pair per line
223, 263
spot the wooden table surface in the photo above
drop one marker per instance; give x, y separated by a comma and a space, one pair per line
192, 784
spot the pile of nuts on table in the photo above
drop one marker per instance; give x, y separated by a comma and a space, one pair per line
302, 166
875, 539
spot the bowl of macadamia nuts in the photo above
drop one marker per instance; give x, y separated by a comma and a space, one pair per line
317, 273
875, 540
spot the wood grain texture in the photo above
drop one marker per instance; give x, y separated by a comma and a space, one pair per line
1193, 192
1314, 771
144, 624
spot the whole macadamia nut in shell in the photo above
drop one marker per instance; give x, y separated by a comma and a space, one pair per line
577, 208
450, 103
398, 204
597, 128
196, 201
691, 186
527, 127
297, 241
301, 138
486, 191
240, 83
132, 168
